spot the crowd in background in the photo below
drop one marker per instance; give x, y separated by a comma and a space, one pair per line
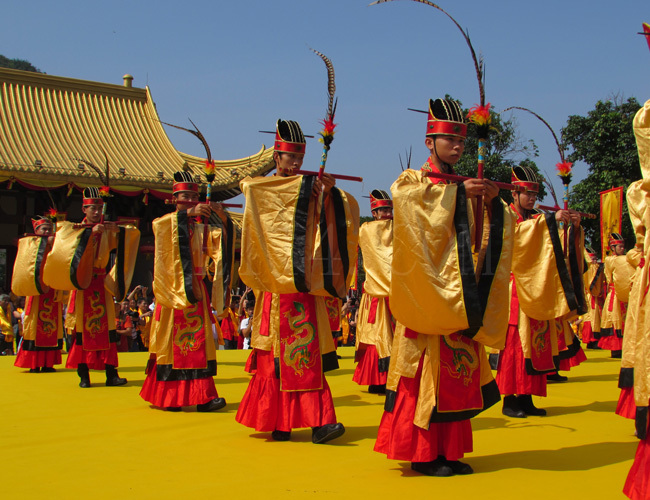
133, 321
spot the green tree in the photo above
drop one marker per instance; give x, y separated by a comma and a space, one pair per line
5, 62
604, 140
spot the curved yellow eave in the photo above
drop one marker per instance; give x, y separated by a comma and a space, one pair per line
46, 122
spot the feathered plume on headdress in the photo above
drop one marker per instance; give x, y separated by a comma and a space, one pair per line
563, 167
327, 134
479, 114
209, 162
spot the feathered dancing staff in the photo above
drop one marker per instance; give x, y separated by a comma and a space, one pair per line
563, 170
104, 191
209, 166
327, 134
479, 114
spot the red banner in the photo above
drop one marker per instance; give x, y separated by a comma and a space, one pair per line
94, 322
300, 357
334, 312
47, 326
459, 374
541, 355
189, 338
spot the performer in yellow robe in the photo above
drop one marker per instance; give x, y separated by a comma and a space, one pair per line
374, 320
531, 349
439, 376
634, 317
183, 353
80, 261
594, 280
449, 302
637, 485
618, 273
299, 243
42, 341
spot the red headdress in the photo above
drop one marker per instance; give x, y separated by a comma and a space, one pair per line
289, 137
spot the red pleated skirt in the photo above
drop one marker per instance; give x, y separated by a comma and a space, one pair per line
610, 343
37, 359
266, 408
367, 371
177, 393
575, 360
96, 360
400, 439
637, 484
512, 377
587, 333
626, 407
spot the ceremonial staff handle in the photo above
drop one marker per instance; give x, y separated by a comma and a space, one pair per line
462, 178
555, 209
336, 176
193, 203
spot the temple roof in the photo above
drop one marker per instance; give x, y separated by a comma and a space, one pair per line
49, 122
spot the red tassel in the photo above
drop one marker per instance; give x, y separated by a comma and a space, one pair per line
145, 198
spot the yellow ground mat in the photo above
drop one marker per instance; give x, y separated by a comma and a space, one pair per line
61, 441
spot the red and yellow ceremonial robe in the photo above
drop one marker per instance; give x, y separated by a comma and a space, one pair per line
375, 324
181, 341
439, 375
297, 249
619, 274
79, 261
545, 286
43, 325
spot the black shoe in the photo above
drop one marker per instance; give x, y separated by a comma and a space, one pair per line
48, 369
173, 408
281, 435
458, 467
35, 370
112, 378
214, 405
556, 377
325, 433
617, 354
84, 375
437, 468
526, 404
511, 407
377, 389
115, 381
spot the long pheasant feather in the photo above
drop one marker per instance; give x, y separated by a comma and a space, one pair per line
478, 62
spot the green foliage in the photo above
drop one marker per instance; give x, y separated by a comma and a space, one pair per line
604, 140
504, 146
17, 64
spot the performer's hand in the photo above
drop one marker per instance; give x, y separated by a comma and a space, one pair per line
328, 182
324, 185
563, 216
475, 187
200, 210
98, 229
217, 208
491, 191
575, 218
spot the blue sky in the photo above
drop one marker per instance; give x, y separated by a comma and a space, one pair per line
235, 67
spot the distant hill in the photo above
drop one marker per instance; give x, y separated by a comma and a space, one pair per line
5, 62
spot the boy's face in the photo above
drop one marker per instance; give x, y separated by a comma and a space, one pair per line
448, 148
287, 163
93, 213
190, 196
